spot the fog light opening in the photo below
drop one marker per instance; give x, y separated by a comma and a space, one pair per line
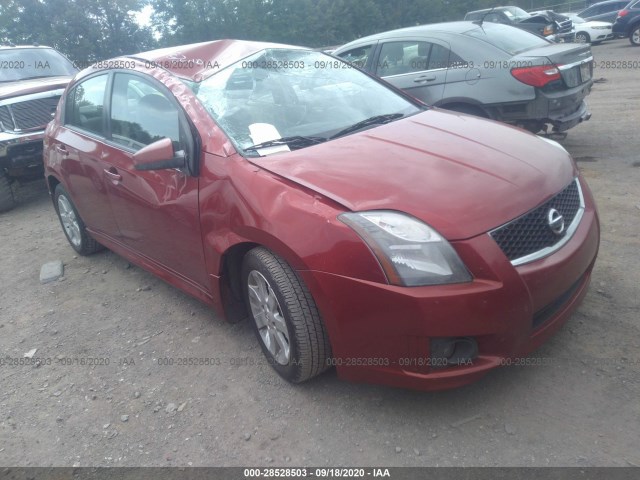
453, 351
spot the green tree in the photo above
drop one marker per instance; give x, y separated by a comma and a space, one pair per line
84, 30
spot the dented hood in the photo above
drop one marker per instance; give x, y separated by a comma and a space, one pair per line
460, 174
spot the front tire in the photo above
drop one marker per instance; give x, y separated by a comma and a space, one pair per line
7, 198
582, 37
285, 317
634, 36
72, 225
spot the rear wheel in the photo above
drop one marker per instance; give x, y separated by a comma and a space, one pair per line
72, 225
7, 197
285, 317
634, 36
582, 37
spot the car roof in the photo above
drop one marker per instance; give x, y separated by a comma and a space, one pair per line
198, 60
448, 28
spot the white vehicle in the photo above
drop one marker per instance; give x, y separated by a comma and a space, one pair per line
592, 31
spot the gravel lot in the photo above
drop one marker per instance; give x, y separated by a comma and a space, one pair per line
580, 408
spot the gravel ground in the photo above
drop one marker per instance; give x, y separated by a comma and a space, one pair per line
127, 409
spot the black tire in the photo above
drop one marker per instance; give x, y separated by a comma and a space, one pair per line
634, 36
468, 109
583, 37
7, 198
308, 342
82, 242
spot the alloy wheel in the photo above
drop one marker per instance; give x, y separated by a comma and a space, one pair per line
69, 221
268, 316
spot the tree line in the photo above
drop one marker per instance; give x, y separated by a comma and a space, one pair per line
90, 30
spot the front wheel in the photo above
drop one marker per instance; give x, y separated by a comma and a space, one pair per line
72, 225
634, 36
7, 197
285, 317
582, 37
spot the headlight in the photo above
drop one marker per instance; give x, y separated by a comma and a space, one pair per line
548, 30
410, 252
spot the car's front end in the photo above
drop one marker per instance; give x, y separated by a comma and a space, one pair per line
435, 337
32, 82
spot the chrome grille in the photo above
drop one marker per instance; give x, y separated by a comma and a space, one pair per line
565, 26
5, 118
530, 236
33, 114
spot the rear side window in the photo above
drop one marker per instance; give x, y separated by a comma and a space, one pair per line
509, 39
85, 105
141, 114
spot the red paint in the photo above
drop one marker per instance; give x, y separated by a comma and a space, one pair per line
460, 174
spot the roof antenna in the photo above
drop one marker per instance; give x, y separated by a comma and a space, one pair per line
481, 21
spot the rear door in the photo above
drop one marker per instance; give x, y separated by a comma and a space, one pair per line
156, 211
417, 66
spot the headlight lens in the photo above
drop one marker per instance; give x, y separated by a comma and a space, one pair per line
410, 252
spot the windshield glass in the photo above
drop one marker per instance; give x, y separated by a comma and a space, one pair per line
509, 39
305, 96
26, 63
515, 13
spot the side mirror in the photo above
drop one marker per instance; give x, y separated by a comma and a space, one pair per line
158, 156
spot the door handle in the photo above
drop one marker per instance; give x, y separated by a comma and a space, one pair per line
61, 150
113, 175
425, 78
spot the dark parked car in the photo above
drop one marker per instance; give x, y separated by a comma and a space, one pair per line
355, 227
490, 70
32, 80
628, 23
548, 24
603, 11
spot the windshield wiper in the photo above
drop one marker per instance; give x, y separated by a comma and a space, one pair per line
294, 142
377, 120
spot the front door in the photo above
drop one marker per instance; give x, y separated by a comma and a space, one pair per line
156, 211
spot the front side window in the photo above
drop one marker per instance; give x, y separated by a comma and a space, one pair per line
141, 114
85, 105
358, 56
283, 93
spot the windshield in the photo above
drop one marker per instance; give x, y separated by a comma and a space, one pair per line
511, 40
515, 13
25, 63
297, 97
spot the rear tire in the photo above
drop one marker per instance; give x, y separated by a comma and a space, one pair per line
634, 36
72, 225
284, 317
7, 198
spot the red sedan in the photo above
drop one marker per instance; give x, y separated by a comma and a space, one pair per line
354, 226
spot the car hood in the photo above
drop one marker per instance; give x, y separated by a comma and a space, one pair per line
461, 174
595, 23
36, 85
